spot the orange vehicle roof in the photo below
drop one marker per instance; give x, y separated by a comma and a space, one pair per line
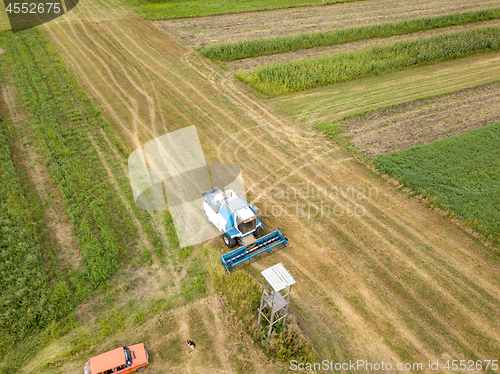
107, 360
140, 353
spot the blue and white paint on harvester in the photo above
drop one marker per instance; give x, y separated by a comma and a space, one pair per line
171, 170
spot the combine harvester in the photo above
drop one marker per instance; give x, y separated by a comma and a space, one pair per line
229, 211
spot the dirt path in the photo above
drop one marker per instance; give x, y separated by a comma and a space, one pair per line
204, 31
384, 279
249, 63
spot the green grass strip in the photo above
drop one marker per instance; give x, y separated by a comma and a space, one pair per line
461, 173
161, 9
25, 291
350, 65
269, 46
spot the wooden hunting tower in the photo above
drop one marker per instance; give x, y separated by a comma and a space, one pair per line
276, 291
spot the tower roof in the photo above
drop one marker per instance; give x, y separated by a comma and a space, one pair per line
278, 277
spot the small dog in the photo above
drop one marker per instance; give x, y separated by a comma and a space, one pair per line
191, 345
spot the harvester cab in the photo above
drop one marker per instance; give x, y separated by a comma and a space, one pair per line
229, 211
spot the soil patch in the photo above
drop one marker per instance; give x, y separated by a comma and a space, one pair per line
205, 31
423, 121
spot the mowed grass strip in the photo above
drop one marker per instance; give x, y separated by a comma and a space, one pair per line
460, 173
268, 46
346, 66
161, 9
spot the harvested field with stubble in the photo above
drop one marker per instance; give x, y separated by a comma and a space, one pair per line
423, 121
380, 276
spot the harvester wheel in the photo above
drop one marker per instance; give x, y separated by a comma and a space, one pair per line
229, 241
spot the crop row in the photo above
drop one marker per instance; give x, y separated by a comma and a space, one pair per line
60, 119
60, 122
269, 46
25, 294
169, 9
460, 173
350, 65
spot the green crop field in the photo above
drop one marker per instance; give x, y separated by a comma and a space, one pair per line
158, 9
27, 299
461, 173
268, 46
59, 118
346, 66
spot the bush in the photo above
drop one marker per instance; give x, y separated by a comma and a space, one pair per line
243, 295
290, 344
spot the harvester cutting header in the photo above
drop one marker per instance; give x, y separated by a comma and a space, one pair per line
229, 211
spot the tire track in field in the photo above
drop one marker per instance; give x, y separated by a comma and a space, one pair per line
155, 215
120, 92
231, 371
142, 234
344, 231
210, 309
440, 289
216, 322
184, 331
109, 52
94, 89
185, 97
57, 221
299, 138
435, 236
